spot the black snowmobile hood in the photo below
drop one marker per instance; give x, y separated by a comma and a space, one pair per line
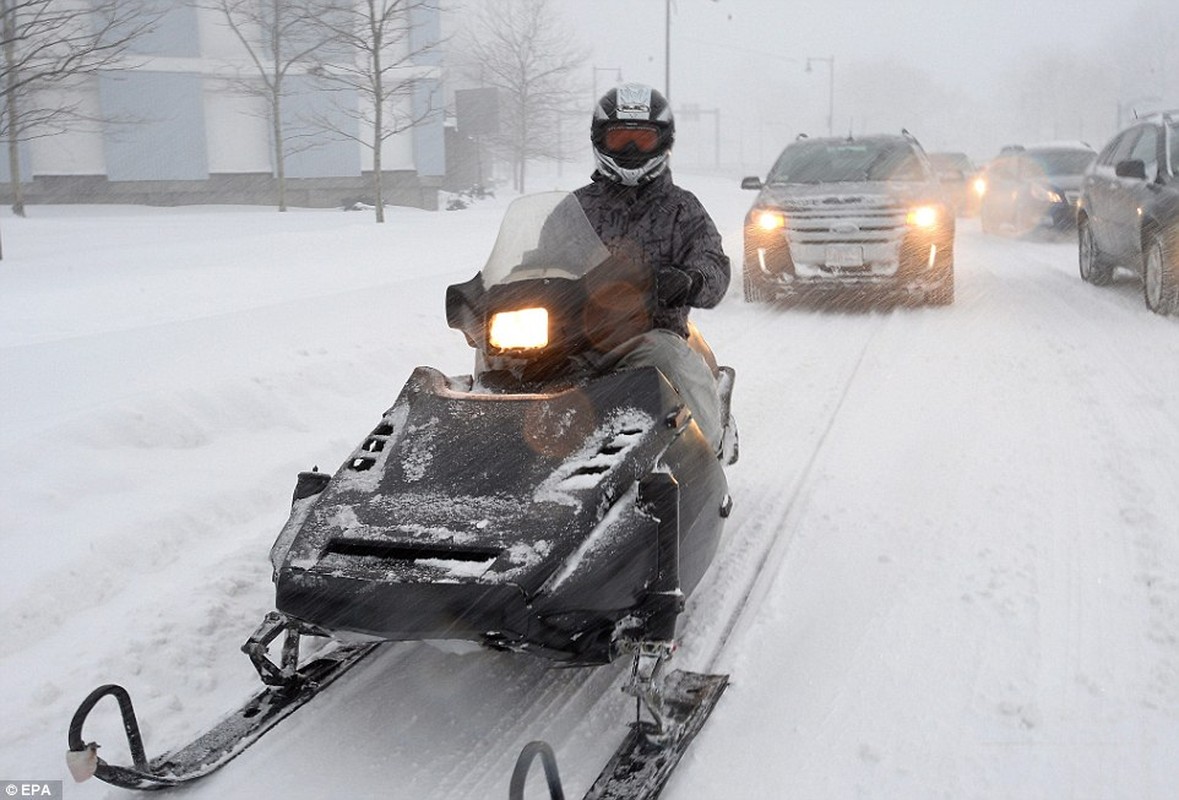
456, 487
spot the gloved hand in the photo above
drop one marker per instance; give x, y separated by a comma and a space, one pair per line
677, 287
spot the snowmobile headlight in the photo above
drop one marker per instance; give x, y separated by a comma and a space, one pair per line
769, 220
524, 329
923, 217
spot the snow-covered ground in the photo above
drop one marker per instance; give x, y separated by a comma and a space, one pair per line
952, 569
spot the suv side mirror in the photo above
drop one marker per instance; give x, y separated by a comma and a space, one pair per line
751, 183
1131, 168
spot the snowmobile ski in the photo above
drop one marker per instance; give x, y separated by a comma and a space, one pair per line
215, 747
642, 765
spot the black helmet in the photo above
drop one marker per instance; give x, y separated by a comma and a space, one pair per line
632, 133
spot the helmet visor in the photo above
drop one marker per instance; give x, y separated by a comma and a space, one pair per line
644, 138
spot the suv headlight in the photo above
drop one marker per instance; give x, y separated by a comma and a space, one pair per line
924, 217
769, 219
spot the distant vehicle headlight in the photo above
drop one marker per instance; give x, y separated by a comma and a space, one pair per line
923, 217
525, 329
1044, 193
769, 220
980, 186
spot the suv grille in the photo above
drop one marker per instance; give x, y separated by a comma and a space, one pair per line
817, 231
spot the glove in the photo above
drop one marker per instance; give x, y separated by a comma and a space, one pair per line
677, 287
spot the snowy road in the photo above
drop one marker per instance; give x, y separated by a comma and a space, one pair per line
952, 569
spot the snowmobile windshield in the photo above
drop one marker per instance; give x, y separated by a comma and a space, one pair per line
544, 235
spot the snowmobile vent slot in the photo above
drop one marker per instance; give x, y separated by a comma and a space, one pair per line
603, 461
396, 551
591, 469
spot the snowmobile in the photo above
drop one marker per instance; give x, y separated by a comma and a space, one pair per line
536, 505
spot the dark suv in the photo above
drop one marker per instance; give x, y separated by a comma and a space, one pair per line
848, 216
1129, 211
1034, 188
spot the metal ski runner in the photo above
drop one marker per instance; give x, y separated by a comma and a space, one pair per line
215, 747
641, 766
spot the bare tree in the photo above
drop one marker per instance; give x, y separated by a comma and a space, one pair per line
520, 48
55, 44
280, 38
376, 56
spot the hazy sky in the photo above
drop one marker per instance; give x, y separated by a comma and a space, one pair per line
747, 57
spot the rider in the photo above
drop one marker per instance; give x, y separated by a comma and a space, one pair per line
637, 210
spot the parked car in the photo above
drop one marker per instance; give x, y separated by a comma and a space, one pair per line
957, 173
850, 215
1034, 188
1128, 214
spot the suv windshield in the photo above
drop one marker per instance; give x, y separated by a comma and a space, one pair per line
847, 161
1062, 162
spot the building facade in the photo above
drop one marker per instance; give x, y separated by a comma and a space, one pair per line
176, 127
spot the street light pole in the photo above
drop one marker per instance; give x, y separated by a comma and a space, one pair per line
830, 60
667, 50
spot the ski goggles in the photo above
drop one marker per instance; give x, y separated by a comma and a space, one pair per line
644, 138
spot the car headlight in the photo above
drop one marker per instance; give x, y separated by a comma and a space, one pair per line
980, 186
769, 220
1044, 193
923, 217
524, 329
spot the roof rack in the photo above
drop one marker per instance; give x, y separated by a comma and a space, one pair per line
1165, 114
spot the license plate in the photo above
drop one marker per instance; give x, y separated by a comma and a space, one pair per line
845, 255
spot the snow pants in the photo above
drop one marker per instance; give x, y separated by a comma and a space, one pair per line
688, 365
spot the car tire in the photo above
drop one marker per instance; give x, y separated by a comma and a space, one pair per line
943, 293
1160, 283
1095, 266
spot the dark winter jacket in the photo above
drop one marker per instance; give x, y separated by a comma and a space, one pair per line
664, 226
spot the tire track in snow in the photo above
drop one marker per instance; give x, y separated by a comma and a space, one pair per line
767, 531
1139, 547
1083, 659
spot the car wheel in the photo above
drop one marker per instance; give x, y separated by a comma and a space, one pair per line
1160, 283
943, 293
1095, 266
